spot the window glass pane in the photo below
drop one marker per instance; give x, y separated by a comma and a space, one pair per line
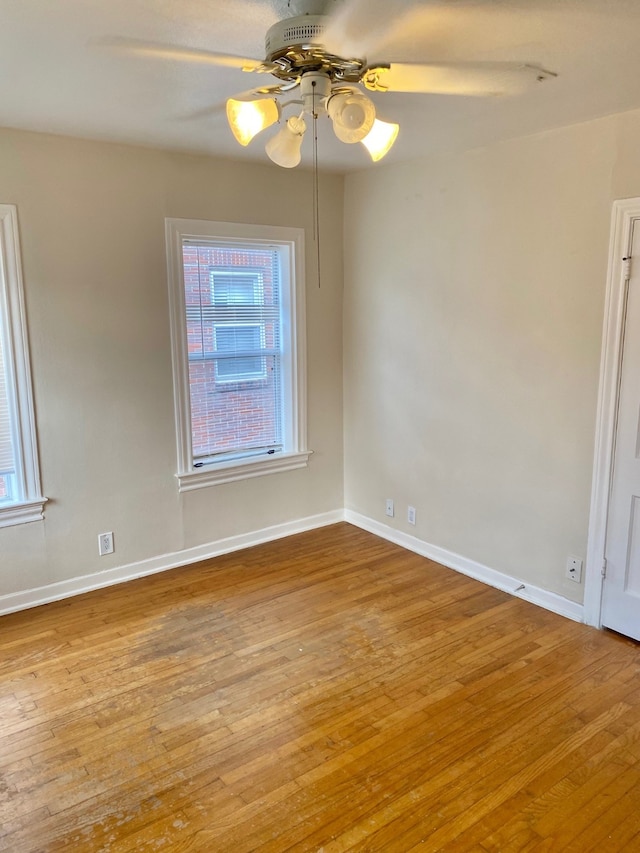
233, 316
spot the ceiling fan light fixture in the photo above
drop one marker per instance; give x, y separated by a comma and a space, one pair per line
353, 115
285, 147
380, 139
248, 118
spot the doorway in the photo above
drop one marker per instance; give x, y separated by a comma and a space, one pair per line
612, 586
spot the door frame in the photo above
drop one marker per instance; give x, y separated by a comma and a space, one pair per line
625, 213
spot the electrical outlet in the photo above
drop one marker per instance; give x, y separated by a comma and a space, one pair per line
105, 544
389, 507
574, 569
411, 514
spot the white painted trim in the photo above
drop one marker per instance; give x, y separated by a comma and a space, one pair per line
229, 472
22, 513
499, 580
624, 214
76, 586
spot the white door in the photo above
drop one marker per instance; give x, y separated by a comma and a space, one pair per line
621, 593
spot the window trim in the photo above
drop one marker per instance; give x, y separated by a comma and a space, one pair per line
30, 503
292, 240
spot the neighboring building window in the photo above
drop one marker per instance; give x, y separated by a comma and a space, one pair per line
238, 335
239, 342
240, 346
20, 494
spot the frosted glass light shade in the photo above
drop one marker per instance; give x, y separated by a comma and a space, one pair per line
247, 118
353, 116
380, 138
285, 147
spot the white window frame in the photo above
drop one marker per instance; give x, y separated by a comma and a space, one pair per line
29, 503
295, 454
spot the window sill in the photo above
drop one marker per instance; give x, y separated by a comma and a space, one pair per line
229, 472
22, 513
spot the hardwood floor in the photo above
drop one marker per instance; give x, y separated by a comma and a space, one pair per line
328, 692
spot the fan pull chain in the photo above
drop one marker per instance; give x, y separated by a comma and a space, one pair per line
316, 194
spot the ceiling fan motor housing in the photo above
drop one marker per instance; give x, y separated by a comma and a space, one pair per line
294, 32
294, 47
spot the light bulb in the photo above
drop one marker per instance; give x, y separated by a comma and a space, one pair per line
285, 147
380, 138
247, 118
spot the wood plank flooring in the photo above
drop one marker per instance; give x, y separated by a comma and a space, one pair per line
325, 693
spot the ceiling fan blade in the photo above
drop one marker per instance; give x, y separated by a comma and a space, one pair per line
446, 30
357, 27
260, 92
134, 47
455, 78
362, 28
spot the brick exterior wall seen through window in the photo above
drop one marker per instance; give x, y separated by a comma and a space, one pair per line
228, 416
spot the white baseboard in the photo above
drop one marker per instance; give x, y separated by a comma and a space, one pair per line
76, 586
507, 583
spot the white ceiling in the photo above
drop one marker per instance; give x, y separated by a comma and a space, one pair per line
56, 80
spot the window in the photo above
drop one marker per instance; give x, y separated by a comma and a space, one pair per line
238, 342
239, 346
238, 335
20, 497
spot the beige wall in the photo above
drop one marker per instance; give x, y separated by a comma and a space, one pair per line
473, 303
474, 291
91, 219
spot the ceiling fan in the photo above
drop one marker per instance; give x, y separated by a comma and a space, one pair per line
321, 70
